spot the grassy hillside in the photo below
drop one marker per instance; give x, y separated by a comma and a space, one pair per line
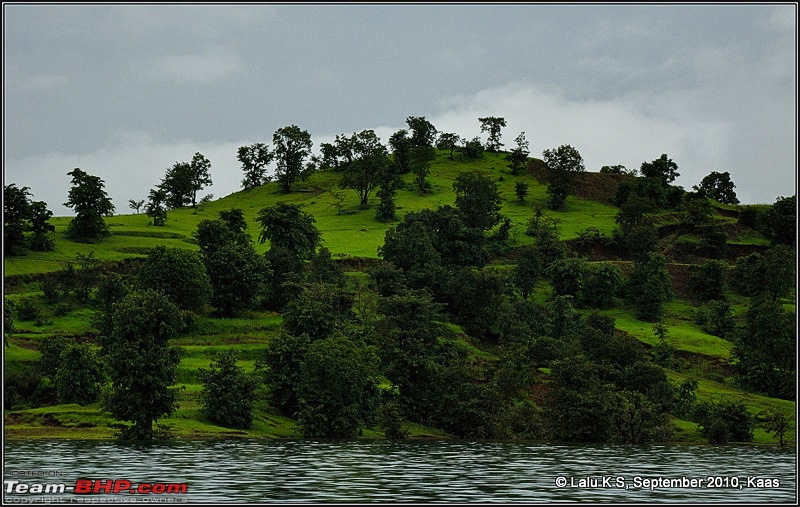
352, 234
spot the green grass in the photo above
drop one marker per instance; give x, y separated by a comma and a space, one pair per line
354, 233
684, 334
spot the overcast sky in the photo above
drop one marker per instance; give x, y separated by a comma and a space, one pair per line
125, 91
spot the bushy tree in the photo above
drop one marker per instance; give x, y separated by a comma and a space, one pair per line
707, 281
254, 159
477, 200
41, 241
781, 221
601, 283
291, 146
567, 275
564, 168
521, 189
318, 311
718, 186
179, 274
400, 143
649, 286
715, 317
79, 375
389, 182
289, 227
156, 207
725, 420
88, 198
142, 366
519, 155
492, 125
282, 369
364, 172
338, 389
448, 141
765, 352
228, 393
238, 275
528, 270
472, 149
663, 170
16, 213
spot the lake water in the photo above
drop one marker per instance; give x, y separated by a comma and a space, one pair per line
402, 472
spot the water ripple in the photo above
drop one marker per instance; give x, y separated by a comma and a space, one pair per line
413, 472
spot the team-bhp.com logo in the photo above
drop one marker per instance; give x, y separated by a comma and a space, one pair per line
97, 487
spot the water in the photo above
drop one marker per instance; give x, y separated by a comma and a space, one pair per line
405, 472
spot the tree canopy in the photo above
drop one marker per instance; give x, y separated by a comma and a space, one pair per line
91, 203
291, 146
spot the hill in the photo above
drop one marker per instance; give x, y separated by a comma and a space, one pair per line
353, 236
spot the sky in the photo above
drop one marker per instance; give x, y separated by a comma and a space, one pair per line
124, 91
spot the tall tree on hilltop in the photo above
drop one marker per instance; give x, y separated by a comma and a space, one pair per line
254, 159
91, 203
492, 125
291, 147
662, 169
519, 155
369, 161
564, 167
718, 186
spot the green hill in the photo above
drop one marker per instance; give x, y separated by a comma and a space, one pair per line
353, 236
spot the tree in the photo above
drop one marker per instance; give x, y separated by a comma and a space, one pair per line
177, 185
601, 282
775, 421
291, 147
564, 167
156, 206
519, 155
472, 149
649, 286
528, 270
91, 203
227, 392
421, 150
287, 226
141, 364
338, 389
663, 170
389, 182
477, 200
179, 274
400, 144
448, 141
238, 276
765, 352
79, 375
16, 213
521, 189
318, 311
423, 133
40, 226
199, 176
781, 221
492, 125
254, 159
718, 186
135, 205
370, 159
282, 370
708, 280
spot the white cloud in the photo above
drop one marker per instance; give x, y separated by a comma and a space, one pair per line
212, 64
